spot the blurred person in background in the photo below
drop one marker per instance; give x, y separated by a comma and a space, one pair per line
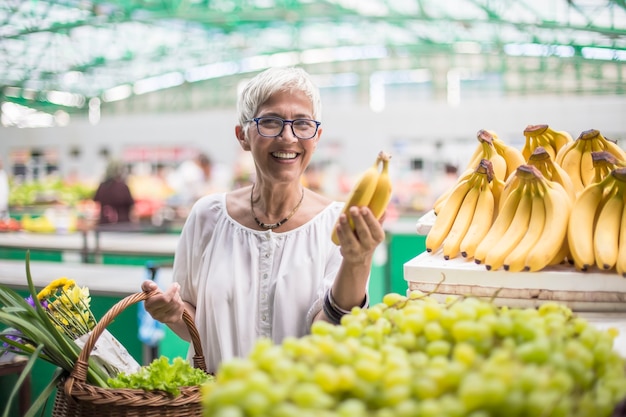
191, 179
114, 196
258, 261
4, 193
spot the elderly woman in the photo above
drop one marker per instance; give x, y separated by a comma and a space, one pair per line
259, 261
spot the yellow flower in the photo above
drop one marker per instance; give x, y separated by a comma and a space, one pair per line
68, 307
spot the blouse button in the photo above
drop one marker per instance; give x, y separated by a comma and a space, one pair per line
264, 276
264, 317
267, 255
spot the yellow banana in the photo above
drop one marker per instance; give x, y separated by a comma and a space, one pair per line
560, 138
603, 163
539, 135
559, 175
511, 184
445, 218
571, 163
586, 164
515, 260
607, 144
361, 194
500, 225
382, 194
550, 170
581, 224
514, 233
481, 222
620, 265
558, 207
497, 188
452, 242
513, 158
606, 232
562, 255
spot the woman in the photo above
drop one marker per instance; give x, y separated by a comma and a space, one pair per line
259, 261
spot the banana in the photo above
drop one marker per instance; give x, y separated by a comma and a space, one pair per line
620, 266
486, 150
542, 135
481, 222
551, 171
558, 207
514, 233
559, 175
562, 255
511, 184
560, 138
581, 224
445, 218
382, 194
497, 188
512, 156
586, 164
607, 144
607, 228
361, 194
462, 222
571, 163
514, 260
500, 224
603, 163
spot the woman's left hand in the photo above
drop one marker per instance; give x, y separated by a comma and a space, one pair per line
359, 244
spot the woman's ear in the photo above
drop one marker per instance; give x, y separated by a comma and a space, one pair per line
242, 138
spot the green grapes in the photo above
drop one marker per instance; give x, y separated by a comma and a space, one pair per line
416, 356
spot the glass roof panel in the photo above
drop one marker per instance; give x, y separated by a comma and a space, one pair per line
88, 47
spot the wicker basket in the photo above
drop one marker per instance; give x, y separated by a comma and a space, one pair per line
75, 397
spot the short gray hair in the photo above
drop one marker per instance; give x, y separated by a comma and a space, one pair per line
271, 81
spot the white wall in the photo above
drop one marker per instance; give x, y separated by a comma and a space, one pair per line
407, 130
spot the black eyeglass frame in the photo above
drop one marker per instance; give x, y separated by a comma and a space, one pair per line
291, 122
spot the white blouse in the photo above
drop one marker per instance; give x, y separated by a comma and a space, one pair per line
248, 284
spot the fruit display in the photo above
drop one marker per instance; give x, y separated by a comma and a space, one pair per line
10, 225
48, 191
373, 189
416, 356
576, 157
597, 226
562, 204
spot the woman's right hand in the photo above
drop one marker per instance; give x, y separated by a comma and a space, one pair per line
166, 307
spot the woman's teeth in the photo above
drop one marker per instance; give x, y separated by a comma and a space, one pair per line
284, 155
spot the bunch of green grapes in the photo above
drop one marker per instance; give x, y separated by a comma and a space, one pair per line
416, 356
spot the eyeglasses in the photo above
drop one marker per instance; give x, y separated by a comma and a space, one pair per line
271, 127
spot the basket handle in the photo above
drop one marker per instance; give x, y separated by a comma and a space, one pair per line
79, 372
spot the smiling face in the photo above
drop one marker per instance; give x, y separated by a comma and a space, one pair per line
284, 158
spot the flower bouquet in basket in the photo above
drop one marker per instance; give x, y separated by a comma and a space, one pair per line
95, 370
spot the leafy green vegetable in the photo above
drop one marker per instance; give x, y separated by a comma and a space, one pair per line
162, 375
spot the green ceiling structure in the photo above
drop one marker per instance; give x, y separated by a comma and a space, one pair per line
73, 54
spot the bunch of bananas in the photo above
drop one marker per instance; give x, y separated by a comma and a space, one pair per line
576, 157
503, 158
541, 159
546, 137
597, 225
373, 189
466, 216
603, 163
531, 227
